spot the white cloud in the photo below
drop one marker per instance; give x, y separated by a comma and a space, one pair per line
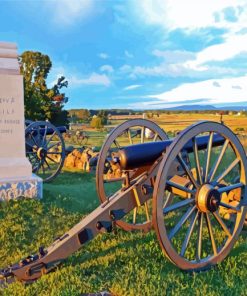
212, 91
132, 87
183, 70
92, 79
77, 79
128, 54
191, 14
180, 63
106, 68
103, 55
67, 12
232, 46
125, 68
171, 15
174, 56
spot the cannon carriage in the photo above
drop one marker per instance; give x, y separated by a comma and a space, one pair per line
45, 148
190, 189
77, 137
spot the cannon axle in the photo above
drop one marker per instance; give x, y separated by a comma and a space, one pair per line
208, 199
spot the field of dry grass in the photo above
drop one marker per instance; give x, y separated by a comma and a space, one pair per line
173, 122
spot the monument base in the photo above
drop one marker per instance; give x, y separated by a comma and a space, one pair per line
14, 188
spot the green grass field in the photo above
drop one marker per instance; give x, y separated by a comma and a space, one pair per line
124, 264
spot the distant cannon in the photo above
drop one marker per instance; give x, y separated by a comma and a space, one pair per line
45, 148
191, 189
78, 137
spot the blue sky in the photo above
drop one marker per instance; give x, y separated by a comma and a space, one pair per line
139, 54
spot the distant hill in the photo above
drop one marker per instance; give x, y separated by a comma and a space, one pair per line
205, 107
191, 108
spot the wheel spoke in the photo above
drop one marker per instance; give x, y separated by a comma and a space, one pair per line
142, 134
215, 166
47, 164
155, 137
227, 171
146, 210
38, 167
135, 135
117, 144
180, 187
230, 187
32, 146
181, 222
35, 164
32, 156
168, 199
209, 150
210, 231
51, 159
44, 137
189, 233
187, 170
178, 205
199, 237
222, 223
130, 139
49, 140
54, 145
227, 206
54, 153
39, 136
31, 152
197, 161
134, 215
33, 138
43, 168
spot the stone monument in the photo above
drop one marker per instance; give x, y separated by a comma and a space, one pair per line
16, 178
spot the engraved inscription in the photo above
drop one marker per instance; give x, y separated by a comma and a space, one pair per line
7, 113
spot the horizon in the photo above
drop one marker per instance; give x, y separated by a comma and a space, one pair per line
137, 54
193, 108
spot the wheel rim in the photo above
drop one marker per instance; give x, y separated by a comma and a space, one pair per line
45, 149
129, 133
192, 233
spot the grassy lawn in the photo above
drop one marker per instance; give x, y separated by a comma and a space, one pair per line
124, 264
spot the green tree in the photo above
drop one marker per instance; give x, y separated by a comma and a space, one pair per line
103, 115
85, 115
41, 102
96, 122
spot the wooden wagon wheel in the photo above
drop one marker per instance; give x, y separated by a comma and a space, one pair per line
199, 231
131, 132
28, 122
45, 149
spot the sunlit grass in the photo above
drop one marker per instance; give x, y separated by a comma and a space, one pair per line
124, 264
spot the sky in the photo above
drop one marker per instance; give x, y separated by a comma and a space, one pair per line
137, 54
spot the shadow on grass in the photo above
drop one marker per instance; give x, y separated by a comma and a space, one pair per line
73, 191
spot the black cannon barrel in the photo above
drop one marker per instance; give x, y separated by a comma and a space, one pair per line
145, 154
49, 131
62, 130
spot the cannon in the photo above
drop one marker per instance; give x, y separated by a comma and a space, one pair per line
190, 189
78, 137
45, 148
